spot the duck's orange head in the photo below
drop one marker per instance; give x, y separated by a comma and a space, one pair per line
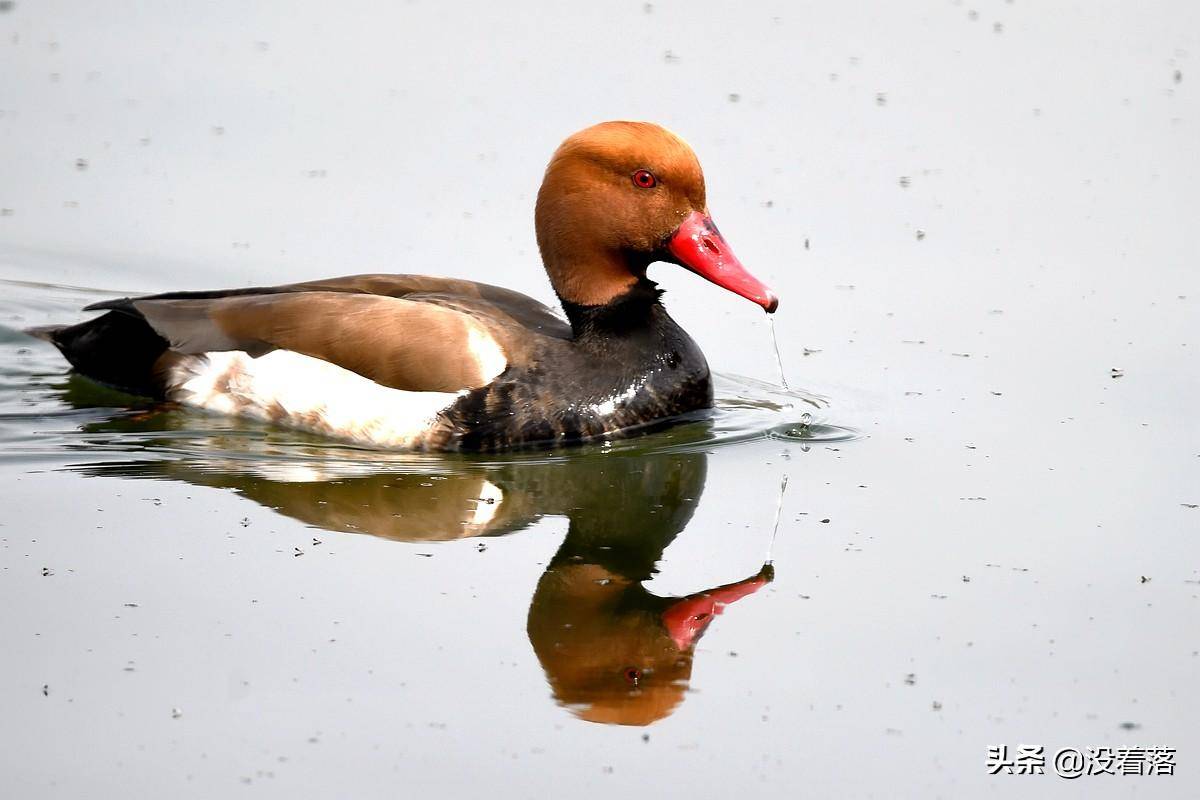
620, 195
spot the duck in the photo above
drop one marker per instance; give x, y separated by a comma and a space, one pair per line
423, 363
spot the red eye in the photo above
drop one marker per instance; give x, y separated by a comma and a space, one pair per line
644, 179
632, 675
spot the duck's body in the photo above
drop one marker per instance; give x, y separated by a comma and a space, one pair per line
624, 369
415, 362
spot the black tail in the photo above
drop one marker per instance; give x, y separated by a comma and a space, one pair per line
118, 349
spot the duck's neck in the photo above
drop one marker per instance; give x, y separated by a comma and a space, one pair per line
633, 310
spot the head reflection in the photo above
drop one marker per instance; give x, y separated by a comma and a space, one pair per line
612, 651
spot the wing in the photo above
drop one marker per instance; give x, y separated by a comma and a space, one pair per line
404, 344
480, 298
406, 332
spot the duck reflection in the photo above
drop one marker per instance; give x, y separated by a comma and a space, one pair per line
612, 651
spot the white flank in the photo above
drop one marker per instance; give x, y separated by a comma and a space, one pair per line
486, 351
307, 393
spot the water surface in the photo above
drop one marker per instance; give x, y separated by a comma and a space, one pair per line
978, 220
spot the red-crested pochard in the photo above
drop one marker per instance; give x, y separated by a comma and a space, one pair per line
417, 362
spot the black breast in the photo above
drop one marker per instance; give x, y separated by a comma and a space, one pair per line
629, 369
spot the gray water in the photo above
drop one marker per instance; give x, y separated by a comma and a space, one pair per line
978, 218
